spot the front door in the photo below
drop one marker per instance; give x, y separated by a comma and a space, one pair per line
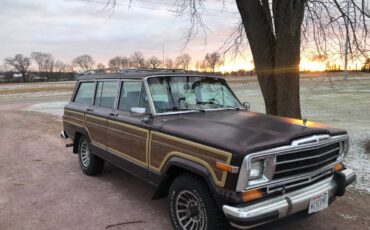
127, 134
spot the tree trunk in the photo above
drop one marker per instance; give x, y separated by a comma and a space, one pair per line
24, 77
276, 55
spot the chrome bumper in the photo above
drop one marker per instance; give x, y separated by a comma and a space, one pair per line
289, 203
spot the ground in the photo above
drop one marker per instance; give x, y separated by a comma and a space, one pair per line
42, 187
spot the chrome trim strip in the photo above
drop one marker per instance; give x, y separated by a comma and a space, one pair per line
272, 189
242, 184
311, 139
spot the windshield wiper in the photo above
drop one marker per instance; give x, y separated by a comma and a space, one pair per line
232, 107
174, 109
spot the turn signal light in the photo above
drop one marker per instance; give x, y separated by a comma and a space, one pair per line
338, 167
252, 195
227, 168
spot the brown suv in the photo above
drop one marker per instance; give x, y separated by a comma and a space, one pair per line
216, 161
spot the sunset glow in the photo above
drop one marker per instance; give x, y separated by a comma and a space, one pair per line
242, 64
305, 65
312, 66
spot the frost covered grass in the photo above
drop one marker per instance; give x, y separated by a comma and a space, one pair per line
53, 108
36, 89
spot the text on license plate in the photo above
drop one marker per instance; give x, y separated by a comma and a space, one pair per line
319, 203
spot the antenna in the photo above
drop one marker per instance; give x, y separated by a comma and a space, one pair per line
163, 55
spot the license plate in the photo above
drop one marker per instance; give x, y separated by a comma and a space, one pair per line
319, 203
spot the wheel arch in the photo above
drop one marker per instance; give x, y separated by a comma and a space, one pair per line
176, 166
78, 134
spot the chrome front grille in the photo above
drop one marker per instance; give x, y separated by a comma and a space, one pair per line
294, 163
304, 161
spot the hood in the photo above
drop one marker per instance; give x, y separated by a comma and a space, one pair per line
240, 132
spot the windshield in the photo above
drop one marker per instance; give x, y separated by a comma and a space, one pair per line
183, 93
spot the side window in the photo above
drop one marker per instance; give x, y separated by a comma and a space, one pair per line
85, 93
106, 92
132, 95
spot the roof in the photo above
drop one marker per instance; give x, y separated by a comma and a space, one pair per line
140, 75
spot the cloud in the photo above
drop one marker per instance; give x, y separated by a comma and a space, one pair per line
67, 28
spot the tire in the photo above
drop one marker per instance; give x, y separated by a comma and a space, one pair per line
191, 205
90, 163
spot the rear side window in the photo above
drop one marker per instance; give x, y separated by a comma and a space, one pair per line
132, 95
106, 92
85, 93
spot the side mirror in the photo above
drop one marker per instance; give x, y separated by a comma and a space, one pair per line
138, 111
247, 105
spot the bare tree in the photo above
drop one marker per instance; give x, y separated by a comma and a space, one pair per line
119, 62
125, 62
169, 64
100, 67
184, 61
85, 62
138, 60
115, 62
274, 30
45, 63
154, 62
60, 66
212, 61
19, 63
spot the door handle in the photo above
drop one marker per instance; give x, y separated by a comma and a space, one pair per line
89, 110
113, 114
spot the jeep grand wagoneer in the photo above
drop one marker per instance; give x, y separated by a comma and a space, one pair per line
216, 161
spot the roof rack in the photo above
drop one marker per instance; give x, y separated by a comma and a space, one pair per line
129, 70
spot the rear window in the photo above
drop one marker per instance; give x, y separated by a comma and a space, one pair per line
85, 93
106, 92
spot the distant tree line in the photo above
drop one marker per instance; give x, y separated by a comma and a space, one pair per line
40, 66
46, 68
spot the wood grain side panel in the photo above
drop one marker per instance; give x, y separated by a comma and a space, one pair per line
164, 146
96, 128
73, 118
128, 141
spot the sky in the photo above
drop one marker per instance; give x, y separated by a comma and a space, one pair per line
69, 28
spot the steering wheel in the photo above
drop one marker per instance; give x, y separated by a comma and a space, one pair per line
214, 101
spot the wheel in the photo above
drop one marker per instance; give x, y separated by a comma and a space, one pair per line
89, 163
192, 206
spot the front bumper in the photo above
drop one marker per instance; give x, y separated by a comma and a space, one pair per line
278, 207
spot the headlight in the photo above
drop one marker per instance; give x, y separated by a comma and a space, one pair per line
256, 170
261, 169
343, 150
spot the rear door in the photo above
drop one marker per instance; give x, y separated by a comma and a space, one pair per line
74, 112
128, 134
96, 116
